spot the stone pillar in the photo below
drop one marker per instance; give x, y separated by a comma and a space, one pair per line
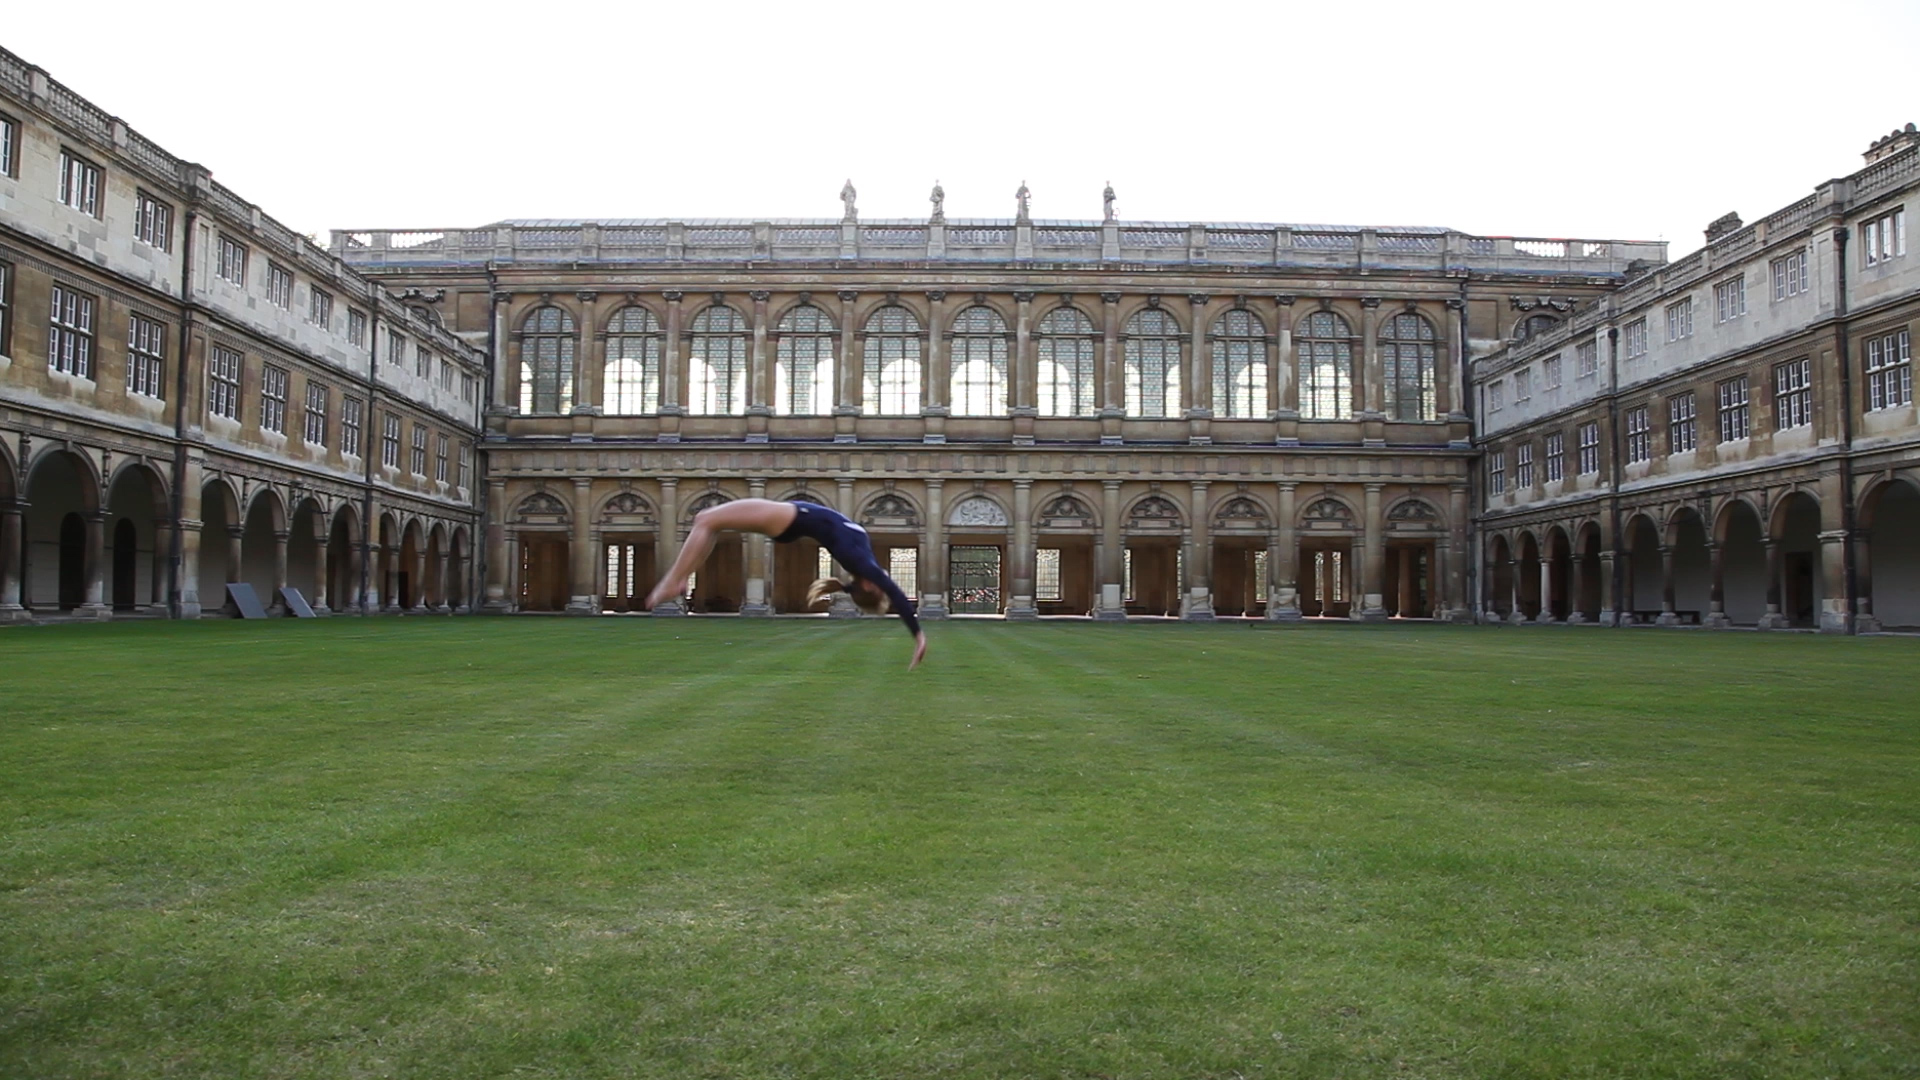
1611, 607
1283, 385
1022, 606
933, 556
1113, 379
1370, 602
506, 366
1199, 376
93, 568
1198, 602
1864, 621
321, 542
1022, 373
1369, 388
157, 568
1113, 602
1668, 617
1546, 589
1775, 618
757, 546
583, 596
840, 605
673, 378
234, 535
1453, 353
588, 370
933, 390
669, 545
1283, 559
848, 391
1717, 593
189, 581
1576, 588
1456, 551
445, 606
1516, 614
759, 372
276, 605
10, 609
1834, 616
498, 600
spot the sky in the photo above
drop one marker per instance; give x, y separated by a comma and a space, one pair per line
1631, 120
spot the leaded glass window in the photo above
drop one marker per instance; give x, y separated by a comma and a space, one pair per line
1326, 367
979, 363
1152, 359
1408, 349
1239, 366
632, 383
803, 363
717, 363
547, 347
890, 379
1065, 348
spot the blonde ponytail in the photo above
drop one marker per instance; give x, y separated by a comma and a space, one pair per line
871, 601
824, 588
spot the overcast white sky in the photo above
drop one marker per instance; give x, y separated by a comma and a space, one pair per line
1631, 120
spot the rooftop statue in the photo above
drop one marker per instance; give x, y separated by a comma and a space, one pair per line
1022, 195
1106, 202
846, 196
939, 200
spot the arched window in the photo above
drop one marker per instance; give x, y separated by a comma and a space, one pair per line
803, 363
717, 363
1065, 348
632, 383
546, 361
1326, 367
1408, 347
890, 381
1153, 365
979, 363
1239, 366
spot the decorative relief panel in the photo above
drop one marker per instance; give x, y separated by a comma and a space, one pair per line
1065, 512
1327, 514
891, 512
541, 508
629, 510
1241, 512
978, 511
1154, 512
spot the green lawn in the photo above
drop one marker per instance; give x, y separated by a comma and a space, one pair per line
724, 848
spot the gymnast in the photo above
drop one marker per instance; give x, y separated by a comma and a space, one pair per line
872, 589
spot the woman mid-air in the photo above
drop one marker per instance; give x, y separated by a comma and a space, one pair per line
871, 588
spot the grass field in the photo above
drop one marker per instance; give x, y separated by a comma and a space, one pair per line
725, 848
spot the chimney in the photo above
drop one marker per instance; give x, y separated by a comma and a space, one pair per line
1899, 139
1722, 225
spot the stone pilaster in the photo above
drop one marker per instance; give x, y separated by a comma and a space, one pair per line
1283, 558
1022, 605
1113, 603
1197, 604
1113, 378
933, 555
1370, 604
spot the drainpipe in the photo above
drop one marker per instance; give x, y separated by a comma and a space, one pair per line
366, 459
477, 586
1841, 350
1472, 554
1622, 605
176, 546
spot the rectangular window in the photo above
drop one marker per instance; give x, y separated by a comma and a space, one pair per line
440, 460
1680, 433
280, 286
1126, 575
1556, 457
1735, 420
9, 146
1730, 299
1497, 472
1589, 448
6, 309
1550, 371
903, 565
223, 382
422, 361
1639, 435
320, 309
419, 450
1522, 385
446, 374
1889, 371
396, 349
153, 222
466, 388
1586, 357
79, 184
1046, 575
1793, 394
1636, 339
1496, 395
390, 441
146, 357
316, 428
1523, 466
350, 426
1884, 237
466, 481
356, 328
273, 399
70, 333
232, 264
1680, 320
1790, 274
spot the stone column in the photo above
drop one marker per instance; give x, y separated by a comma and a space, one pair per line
1864, 621
1199, 376
506, 365
1021, 605
497, 601
1283, 559
275, 605
234, 535
1113, 601
157, 568
1367, 398
1546, 589
848, 391
1668, 617
321, 542
1834, 616
583, 596
1576, 588
513, 571
10, 609
1717, 593
673, 375
933, 390
1516, 612
1286, 378
756, 604
1198, 603
669, 545
1022, 373
1113, 379
93, 567
1373, 563
759, 372
588, 371
840, 605
1611, 608
1457, 551
933, 556
444, 586
1453, 354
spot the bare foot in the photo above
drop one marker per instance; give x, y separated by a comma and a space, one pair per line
663, 592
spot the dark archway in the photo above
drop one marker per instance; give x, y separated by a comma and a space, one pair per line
1691, 577
73, 562
1527, 578
63, 528
1893, 555
1559, 565
1742, 555
1500, 578
1588, 576
1796, 539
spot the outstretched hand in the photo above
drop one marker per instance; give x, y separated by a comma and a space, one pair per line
919, 649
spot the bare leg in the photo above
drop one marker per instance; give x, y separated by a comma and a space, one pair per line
764, 516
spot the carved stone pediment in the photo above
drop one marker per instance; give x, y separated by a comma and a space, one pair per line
1241, 512
1065, 512
977, 511
1154, 512
890, 511
541, 508
1327, 514
628, 510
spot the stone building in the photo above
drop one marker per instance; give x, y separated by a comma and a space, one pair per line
1729, 439
191, 394
1089, 417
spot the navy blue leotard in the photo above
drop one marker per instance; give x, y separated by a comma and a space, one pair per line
850, 547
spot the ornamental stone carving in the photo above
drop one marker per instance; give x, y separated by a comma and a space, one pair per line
1241, 512
1154, 512
1065, 512
628, 509
707, 502
1413, 510
541, 508
1327, 514
978, 511
890, 512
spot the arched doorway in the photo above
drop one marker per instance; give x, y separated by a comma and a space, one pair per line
263, 550
1692, 575
1152, 566
1559, 569
343, 560
1499, 578
1796, 540
1892, 515
1646, 577
1742, 572
1588, 582
137, 547
1527, 579
65, 538
219, 561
